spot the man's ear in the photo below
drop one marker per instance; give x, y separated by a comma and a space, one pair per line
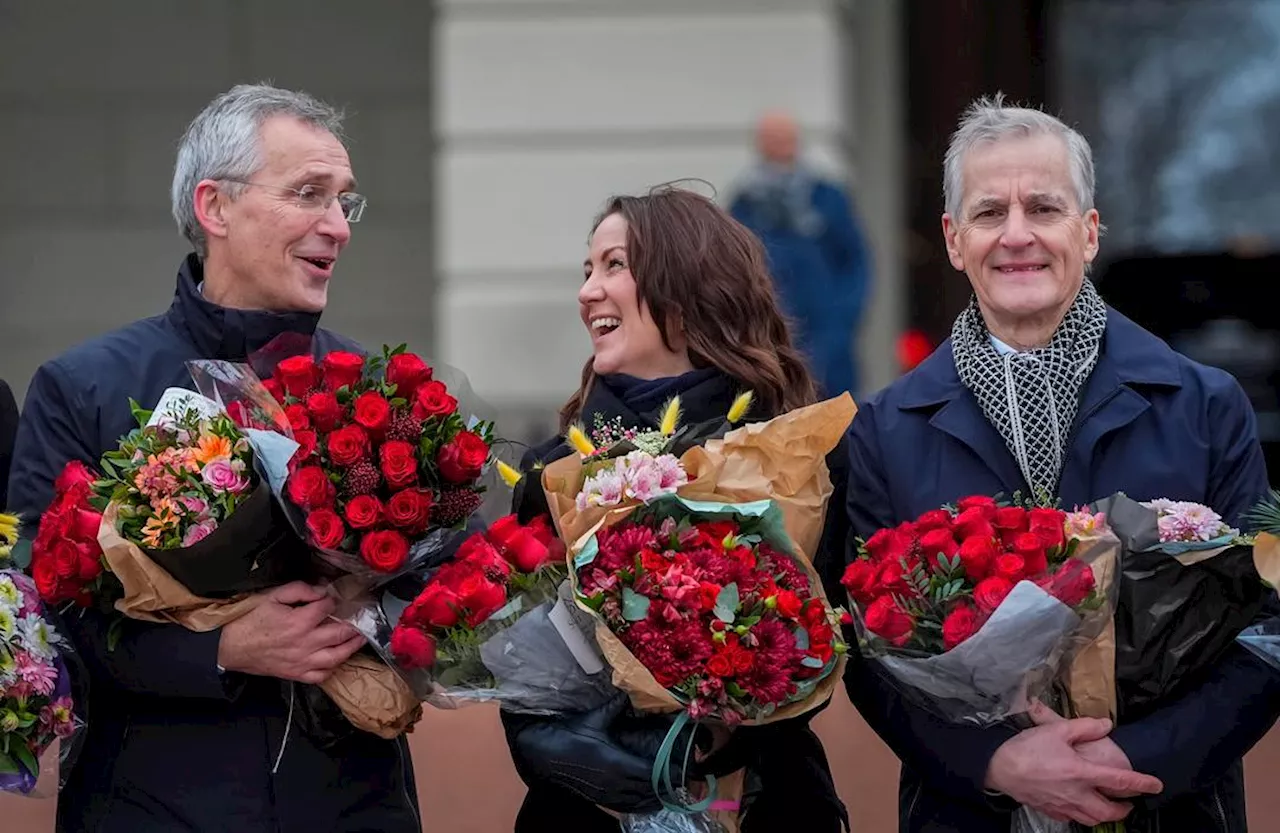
211, 204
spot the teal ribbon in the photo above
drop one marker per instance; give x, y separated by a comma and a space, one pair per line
661, 776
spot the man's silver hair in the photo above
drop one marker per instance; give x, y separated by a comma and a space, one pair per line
223, 143
989, 120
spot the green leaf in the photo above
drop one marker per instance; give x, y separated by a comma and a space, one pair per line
114, 632
21, 553
8, 766
802, 639
25, 757
735, 690
140, 414
594, 602
635, 607
727, 603
811, 662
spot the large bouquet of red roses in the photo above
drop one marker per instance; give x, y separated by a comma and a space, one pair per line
974, 606
384, 457
482, 627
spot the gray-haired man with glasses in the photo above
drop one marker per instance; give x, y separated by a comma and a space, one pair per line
194, 731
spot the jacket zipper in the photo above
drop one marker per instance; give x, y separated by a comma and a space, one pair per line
1222, 815
401, 743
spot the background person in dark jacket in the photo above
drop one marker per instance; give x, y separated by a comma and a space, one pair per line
1042, 388
677, 300
817, 256
192, 731
8, 431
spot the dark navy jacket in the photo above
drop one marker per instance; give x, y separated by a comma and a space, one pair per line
1152, 423
172, 744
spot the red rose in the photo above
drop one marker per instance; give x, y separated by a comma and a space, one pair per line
1031, 548
977, 555
959, 625
74, 472
299, 420
789, 604
435, 607
1048, 524
310, 488
83, 525
342, 370
348, 445
274, 388
478, 555
888, 544
526, 553
46, 579
974, 522
990, 592
502, 531
307, 442
325, 411
813, 614
936, 543
297, 375
66, 559
412, 648
893, 577
410, 510
1071, 584
480, 597
407, 372
885, 619
326, 528
462, 458
860, 580
90, 562
363, 511
373, 411
384, 550
935, 519
399, 463
1009, 521
721, 665
985, 504
1011, 567
433, 400
239, 414
708, 594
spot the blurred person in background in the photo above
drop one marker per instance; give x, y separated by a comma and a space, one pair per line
817, 255
1044, 389
191, 730
677, 300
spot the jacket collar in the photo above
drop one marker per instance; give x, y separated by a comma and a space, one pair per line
224, 333
1130, 356
1131, 359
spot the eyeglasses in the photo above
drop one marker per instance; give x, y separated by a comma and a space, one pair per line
316, 200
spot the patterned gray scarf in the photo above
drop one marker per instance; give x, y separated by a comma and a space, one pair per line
1032, 397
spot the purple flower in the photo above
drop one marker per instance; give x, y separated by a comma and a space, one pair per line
199, 532
221, 476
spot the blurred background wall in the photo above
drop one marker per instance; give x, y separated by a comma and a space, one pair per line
488, 133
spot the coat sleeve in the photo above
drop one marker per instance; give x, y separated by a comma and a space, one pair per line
950, 757
56, 426
1192, 741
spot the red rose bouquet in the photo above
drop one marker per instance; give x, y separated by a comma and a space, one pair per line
66, 559
484, 627
973, 607
385, 466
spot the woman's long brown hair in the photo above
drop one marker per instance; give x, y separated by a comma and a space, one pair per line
699, 269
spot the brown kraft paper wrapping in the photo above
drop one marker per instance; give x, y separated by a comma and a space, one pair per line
371, 695
783, 459
1091, 677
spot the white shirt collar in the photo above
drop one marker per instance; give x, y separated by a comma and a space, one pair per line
1001, 348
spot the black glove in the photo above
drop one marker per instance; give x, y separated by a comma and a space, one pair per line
604, 755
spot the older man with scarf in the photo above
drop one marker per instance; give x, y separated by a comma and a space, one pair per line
1043, 389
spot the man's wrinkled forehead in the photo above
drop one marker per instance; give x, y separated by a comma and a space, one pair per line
1027, 170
